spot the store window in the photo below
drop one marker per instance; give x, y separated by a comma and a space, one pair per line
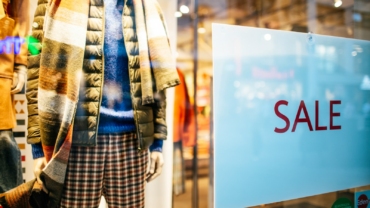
347, 19
190, 172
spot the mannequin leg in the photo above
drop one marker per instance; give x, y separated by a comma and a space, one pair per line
113, 168
10, 162
125, 169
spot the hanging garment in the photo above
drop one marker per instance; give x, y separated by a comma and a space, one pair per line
184, 133
184, 119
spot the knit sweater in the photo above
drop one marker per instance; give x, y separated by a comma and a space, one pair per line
116, 113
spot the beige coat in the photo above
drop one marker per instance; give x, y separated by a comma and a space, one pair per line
13, 24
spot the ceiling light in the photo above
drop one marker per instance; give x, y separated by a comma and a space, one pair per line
184, 9
178, 14
201, 30
338, 3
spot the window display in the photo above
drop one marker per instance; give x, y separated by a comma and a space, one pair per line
97, 70
96, 95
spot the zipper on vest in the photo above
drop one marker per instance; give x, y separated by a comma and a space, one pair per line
139, 133
102, 80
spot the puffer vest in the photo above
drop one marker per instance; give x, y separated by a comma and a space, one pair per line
149, 119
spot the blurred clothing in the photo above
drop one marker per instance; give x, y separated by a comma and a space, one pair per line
14, 27
10, 162
184, 119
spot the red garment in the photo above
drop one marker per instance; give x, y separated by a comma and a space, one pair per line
184, 119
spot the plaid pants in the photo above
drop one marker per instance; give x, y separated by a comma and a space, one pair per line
113, 168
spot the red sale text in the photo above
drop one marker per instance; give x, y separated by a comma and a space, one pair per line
312, 123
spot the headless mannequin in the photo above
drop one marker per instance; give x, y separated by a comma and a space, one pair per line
10, 155
154, 170
12, 79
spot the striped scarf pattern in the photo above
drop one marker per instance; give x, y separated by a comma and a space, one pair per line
60, 72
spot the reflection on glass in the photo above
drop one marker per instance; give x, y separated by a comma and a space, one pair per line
267, 37
347, 19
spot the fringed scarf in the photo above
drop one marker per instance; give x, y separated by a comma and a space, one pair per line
61, 63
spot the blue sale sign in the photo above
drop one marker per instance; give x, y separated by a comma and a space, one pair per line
291, 115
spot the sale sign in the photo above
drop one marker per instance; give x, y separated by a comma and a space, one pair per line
291, 115
362, 199
306, 119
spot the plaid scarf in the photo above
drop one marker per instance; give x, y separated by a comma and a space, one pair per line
61, 63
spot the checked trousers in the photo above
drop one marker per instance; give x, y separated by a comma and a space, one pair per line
113, 168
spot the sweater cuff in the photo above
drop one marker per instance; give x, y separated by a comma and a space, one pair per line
37, 151
156, 146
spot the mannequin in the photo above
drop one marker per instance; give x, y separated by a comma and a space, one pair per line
13, 61
102, 91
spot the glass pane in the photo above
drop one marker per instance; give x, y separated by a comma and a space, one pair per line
349, 19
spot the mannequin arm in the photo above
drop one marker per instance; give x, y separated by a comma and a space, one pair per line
19, 78
38, 165
160, 132
156, 163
